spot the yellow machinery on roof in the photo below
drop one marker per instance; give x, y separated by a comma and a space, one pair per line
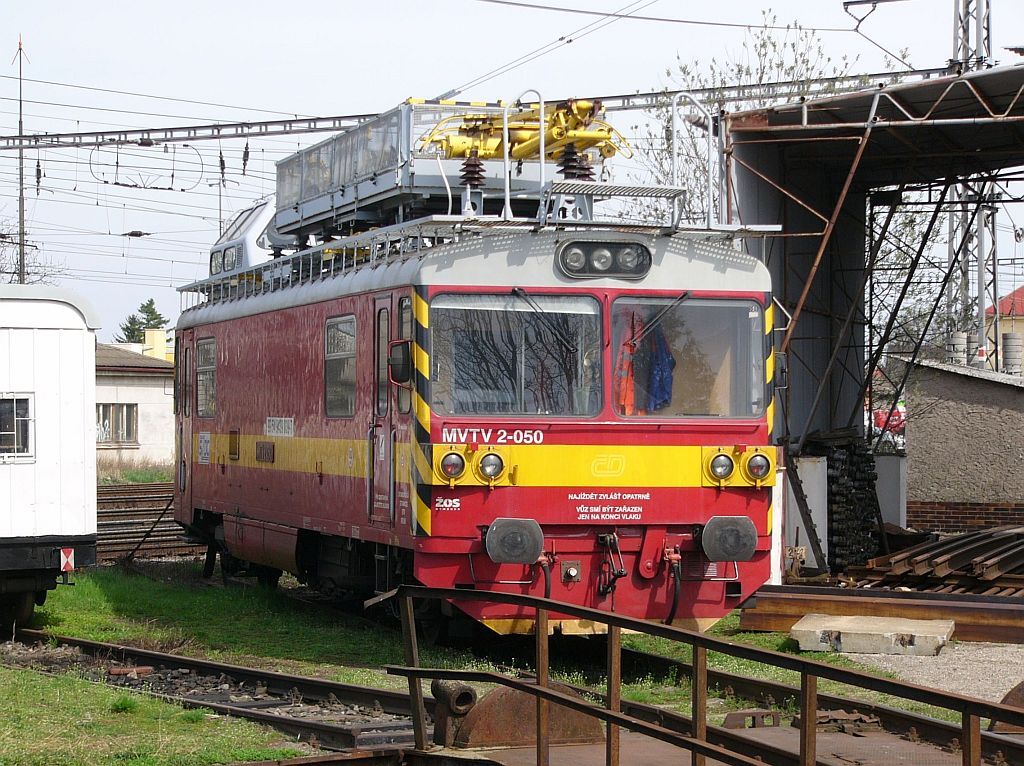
570, 122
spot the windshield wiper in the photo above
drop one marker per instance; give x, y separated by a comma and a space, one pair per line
649, 327
546, 319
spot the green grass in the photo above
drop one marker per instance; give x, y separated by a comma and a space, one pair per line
237, 624
66, 721
254, 627
728, 629
117, 470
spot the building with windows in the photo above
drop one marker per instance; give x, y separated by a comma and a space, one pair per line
134, 406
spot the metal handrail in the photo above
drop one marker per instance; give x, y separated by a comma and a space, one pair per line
970, 708
507, 212
675, 152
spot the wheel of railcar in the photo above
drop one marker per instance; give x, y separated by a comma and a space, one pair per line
229, 565
211, 561
431, 624
268, 577
16, 611
41, 597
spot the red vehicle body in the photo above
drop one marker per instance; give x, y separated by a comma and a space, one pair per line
305, 447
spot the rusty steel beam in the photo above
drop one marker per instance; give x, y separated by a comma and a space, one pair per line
699, 701
848, 320
612, 695
977, 618
412, 657
543, 658
826, 237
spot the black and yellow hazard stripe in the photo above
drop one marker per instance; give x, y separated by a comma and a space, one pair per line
423, 454
769, 376
769, 363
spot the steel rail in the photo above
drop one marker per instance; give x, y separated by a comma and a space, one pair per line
331, 735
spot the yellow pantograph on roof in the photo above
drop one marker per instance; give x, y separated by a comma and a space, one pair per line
569, 122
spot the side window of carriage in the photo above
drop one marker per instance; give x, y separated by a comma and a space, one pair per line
340, 367
383, 337
404, 400
206, 378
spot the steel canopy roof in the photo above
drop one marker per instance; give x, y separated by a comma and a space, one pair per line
920, 131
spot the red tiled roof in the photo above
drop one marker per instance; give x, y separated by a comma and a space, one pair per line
1010, 305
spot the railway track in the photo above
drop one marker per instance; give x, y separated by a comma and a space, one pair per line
334, 715
377, 723
130, 516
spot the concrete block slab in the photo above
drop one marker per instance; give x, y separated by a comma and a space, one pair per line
871, 635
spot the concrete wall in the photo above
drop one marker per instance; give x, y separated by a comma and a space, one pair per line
964, 440
892, 488
154, 396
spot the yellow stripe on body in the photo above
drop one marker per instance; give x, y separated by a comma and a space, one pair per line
769, 319
770, 415
594, 465
769, 367
332, 457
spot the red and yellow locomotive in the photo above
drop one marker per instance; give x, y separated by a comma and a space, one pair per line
558, 407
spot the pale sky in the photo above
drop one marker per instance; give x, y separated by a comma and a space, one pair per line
262, 60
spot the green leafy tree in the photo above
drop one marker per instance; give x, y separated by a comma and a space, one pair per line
133, 328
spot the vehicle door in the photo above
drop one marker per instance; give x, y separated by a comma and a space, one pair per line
183, 391
381, 499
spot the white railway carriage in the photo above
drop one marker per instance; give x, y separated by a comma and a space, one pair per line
47, 443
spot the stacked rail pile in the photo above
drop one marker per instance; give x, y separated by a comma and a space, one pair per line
989, 562
975, 579
126, 515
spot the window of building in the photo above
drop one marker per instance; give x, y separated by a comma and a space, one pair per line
16, 426
117, 424
206, 378
340, 367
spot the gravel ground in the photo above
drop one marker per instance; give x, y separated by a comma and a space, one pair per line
987, 671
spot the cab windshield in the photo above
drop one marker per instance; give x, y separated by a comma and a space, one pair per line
682, 357
516, 354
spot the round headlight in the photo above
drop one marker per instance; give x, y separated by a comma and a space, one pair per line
601, 259
452, 465
491, 465
574, 258
627, 258
721, 466
758, 466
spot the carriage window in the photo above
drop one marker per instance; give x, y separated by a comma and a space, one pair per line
340, 367
175, 401
688, 357
518, 353
206, 378
16, 437
186, 380
383, 336
404, 333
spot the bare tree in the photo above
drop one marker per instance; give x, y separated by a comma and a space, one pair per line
38, 269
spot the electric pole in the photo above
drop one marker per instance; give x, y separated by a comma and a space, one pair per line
972, 49
21, 174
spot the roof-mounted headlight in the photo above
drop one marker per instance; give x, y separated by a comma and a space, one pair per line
574, 259
590, 260
601, 258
